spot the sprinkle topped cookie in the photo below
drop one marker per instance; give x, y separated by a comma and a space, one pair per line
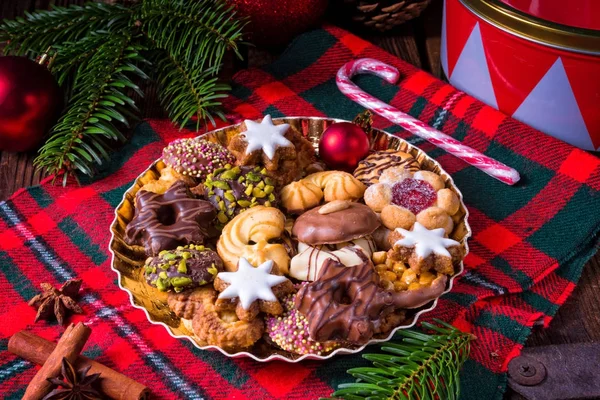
265, 136
425, 241
196, 157
290, 331
250, 284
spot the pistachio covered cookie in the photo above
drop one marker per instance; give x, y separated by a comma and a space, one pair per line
234, 189
183, 268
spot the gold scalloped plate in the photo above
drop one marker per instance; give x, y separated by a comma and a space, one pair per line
126, 261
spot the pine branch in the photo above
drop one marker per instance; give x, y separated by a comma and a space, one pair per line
79, 140
74, 56
34, 33
187, 92
419, 367
196, 32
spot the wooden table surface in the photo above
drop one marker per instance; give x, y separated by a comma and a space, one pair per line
417, 42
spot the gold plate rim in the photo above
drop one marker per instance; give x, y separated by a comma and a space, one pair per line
277, 356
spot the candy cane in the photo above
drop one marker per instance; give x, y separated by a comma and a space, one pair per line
390, 74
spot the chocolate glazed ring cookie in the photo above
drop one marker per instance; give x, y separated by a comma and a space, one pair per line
345, 303
165, 221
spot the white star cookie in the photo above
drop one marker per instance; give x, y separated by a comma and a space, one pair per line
250, 284
265, 136
425, 241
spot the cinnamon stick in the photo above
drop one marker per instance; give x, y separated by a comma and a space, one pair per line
111, 383
69, 346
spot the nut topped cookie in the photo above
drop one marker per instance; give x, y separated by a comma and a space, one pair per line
234, 189
183, 268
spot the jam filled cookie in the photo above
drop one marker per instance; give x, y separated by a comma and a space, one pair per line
255, 235
424, 249
183, 268
251, 290
165, 221
278, 147
403, 198
234, 189
196, 157
369, 169
307, 193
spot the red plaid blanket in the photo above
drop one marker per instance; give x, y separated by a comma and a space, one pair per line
529, 245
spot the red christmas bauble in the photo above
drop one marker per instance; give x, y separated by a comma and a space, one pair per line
343, 145
30, 102
275, 23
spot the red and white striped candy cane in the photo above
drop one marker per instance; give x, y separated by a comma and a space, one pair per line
390, 74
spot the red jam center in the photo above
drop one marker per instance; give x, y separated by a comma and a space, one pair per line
413, 194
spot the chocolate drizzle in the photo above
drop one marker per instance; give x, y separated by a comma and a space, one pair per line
344, 303
369, 169
164, 221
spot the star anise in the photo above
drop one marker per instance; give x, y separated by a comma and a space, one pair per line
56, 302
73, 385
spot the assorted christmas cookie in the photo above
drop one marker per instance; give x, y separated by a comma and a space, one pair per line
339, 230
425, 249
256, 235
251, 290
234, 189
306, 259
307, 193
289, 331
196, 157
369, 170
412, 290
277, 147
223, 328
403, 197
168, 176
344, 303
165, 221
183, 268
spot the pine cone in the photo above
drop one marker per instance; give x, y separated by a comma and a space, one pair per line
381, 15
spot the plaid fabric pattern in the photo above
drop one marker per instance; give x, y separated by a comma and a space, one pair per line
530, 241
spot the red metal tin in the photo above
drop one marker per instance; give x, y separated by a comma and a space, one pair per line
542, 73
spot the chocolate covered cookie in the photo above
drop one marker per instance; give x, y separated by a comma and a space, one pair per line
165, 221
183, 268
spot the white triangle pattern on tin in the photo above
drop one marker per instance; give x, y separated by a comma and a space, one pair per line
471, 73
551, 107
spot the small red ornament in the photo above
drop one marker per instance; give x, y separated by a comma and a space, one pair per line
30, 102
343, 145
275, 23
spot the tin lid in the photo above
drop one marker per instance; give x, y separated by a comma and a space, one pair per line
577, 13
536, 29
